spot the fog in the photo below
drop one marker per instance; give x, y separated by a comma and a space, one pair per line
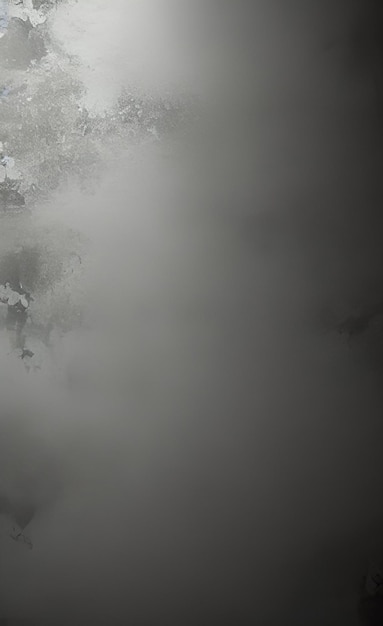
220, 460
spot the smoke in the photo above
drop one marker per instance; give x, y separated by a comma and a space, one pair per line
152, 47
216, 440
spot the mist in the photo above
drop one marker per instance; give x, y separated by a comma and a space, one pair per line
219, 459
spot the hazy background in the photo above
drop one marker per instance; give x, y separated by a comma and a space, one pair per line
223, 461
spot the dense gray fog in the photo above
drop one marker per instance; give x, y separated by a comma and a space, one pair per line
218, 459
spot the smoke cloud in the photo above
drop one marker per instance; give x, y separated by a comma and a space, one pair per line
220, 457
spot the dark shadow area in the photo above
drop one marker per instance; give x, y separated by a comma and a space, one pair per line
22, 266
21, 45
10, 197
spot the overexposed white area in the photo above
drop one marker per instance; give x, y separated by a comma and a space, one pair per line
146, 45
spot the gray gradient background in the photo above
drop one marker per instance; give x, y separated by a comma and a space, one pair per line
235, 475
